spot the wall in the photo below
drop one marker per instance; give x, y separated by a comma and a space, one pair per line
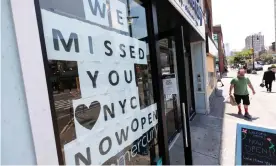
199, 69
210, 64
16, 138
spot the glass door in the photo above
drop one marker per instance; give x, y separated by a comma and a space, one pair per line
170, 86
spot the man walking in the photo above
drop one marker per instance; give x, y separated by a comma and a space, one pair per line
219, 76
268, 77
239, 85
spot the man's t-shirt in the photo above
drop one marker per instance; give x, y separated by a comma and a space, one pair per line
240, 85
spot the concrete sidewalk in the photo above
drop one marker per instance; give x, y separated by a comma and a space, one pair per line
214, 135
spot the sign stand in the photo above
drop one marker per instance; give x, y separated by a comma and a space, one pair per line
255, 145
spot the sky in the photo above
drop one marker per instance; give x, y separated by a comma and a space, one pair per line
240, 18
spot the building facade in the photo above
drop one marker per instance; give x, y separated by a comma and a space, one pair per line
218, 37
258, 42
211, 52
102, 82
275, 17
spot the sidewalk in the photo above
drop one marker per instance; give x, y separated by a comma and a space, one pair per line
214, 135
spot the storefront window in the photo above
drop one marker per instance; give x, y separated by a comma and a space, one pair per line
101, 82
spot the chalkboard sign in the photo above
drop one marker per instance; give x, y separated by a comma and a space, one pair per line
255, 145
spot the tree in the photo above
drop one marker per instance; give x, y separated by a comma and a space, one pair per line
266, 57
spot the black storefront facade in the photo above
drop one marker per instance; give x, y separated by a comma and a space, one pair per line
119, 83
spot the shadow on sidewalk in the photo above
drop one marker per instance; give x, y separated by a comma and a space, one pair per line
242, 117
206, 132
267, 92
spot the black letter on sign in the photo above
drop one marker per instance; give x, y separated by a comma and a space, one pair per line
93, 78
90, 44
57, 35
123, 105
143, 121
107, 109
141, 53
107, 47
122, 47
155, 115
97, 6
130, 80
131, 51
120, 140
110, 78
119, 17
85, 161
131, 103
149, 117
101, 145
137, 125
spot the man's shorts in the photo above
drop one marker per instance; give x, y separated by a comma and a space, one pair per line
244, 98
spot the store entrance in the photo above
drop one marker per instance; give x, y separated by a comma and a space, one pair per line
176, 91
170, 85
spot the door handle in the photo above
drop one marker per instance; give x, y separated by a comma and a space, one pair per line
185, 125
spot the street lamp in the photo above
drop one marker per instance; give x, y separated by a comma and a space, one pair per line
253, 70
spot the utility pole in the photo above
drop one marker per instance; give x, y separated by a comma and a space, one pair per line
253, 53
253, 50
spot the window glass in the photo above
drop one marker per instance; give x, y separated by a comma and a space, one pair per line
100, 75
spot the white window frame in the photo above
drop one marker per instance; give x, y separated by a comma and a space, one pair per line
32, 65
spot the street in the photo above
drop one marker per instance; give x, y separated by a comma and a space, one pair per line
214, 135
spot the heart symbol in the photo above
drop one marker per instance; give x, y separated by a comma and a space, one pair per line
87, 117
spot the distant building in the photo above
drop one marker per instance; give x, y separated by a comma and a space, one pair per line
273, 48
233, 53
275, 18
227, 49
258, 42
218, 38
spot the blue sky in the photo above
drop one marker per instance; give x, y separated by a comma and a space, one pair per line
240, 18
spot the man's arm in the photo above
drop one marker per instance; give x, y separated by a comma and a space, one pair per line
250, 86
264, 77
231, 88
232, 85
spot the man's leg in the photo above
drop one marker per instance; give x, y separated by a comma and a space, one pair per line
238, 101
221, 83
266, 85
270, 86
246, 103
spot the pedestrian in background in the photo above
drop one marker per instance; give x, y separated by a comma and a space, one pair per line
219, 78
268, 77
239, 84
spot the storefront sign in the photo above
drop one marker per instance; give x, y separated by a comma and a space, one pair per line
255, 145
192, 12
109, 95
194, 4
216, 39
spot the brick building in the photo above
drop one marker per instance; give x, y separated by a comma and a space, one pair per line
211, 49
218, 37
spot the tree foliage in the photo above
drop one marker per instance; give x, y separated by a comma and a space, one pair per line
240, 57
266, 57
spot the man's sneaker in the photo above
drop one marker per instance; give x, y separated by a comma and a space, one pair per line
246, 115
239, 113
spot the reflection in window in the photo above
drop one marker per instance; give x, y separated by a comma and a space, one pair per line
64, 80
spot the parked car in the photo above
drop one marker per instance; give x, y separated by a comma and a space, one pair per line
258, 67
260, 63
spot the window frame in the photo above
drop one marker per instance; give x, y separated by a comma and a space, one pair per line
31, 57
